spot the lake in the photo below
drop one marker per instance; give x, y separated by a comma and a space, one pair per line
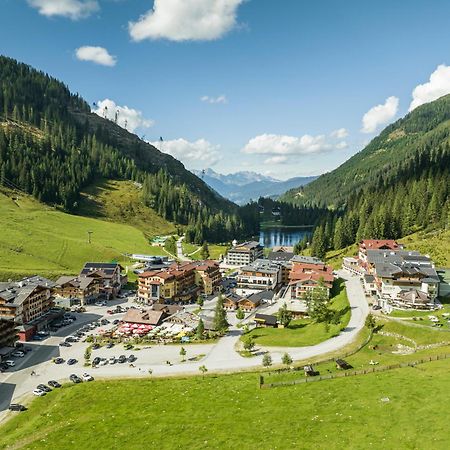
286, 236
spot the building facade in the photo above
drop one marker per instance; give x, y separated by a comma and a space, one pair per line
109, 277
261, 274
84, 289
179, 282
244, 254
25, 300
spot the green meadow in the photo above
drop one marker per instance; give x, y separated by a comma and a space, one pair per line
230, 411
302, 332
36, 238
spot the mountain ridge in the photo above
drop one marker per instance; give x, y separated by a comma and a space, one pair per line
243, 186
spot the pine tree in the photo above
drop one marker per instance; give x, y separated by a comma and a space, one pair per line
220, 316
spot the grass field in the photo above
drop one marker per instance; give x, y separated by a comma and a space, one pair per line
39, 239
215, 250
433, 243
395, 342
230, 412
120, 202
304, 331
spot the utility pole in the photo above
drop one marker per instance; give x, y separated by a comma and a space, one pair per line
89, 236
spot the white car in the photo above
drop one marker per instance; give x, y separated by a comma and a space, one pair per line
103, 362
18, 354
87, 377
112, 360
39, 392
10, 363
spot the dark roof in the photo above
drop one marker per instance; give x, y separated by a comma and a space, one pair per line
262, 295
280, 256
96, 265
233, 297
169, 309
369, 278
270, 320
307, 259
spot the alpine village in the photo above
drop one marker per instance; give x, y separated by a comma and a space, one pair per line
298, 300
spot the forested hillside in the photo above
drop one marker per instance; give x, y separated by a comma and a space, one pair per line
398, 184
417, 142
52, 146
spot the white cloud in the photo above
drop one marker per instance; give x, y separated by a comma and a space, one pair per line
73, 9
379, 115
220, 99
274, 144
97, 55
276, 160
340, 133
196, 155
437, 86
341, 145
128, 118
185, 20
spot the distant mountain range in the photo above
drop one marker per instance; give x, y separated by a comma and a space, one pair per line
241, 187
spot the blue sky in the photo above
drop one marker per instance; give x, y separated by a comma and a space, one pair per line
279, 87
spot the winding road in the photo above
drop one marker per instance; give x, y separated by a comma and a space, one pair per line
219, 357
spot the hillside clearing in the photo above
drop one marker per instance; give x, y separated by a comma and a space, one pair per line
39, 239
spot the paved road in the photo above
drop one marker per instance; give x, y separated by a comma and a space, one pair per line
180, 254
216, 357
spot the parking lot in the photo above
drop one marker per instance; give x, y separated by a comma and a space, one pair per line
37, 366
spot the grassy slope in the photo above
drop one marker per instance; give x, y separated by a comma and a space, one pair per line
305, 332
398, 347
433, 243
229, 412
436, 244
119, 202
215, 250
39, 239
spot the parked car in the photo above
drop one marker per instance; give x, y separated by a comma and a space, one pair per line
3, 367
132, 358
109, 345
72, 361
121, 359
39, 393
96, 361
95, 347
75, 378
17, 407
44, 388
115, 322
10, 363
87, 377
54, 384
18, 354
112, 360
103, 362
36, 337
58, 360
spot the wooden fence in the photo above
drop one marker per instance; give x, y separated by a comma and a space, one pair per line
350, 373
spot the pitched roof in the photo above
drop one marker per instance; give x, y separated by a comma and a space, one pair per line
233, 297
375, 244
280, 256
148, 316
169, 309
76, 282
268, 319
306, 259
